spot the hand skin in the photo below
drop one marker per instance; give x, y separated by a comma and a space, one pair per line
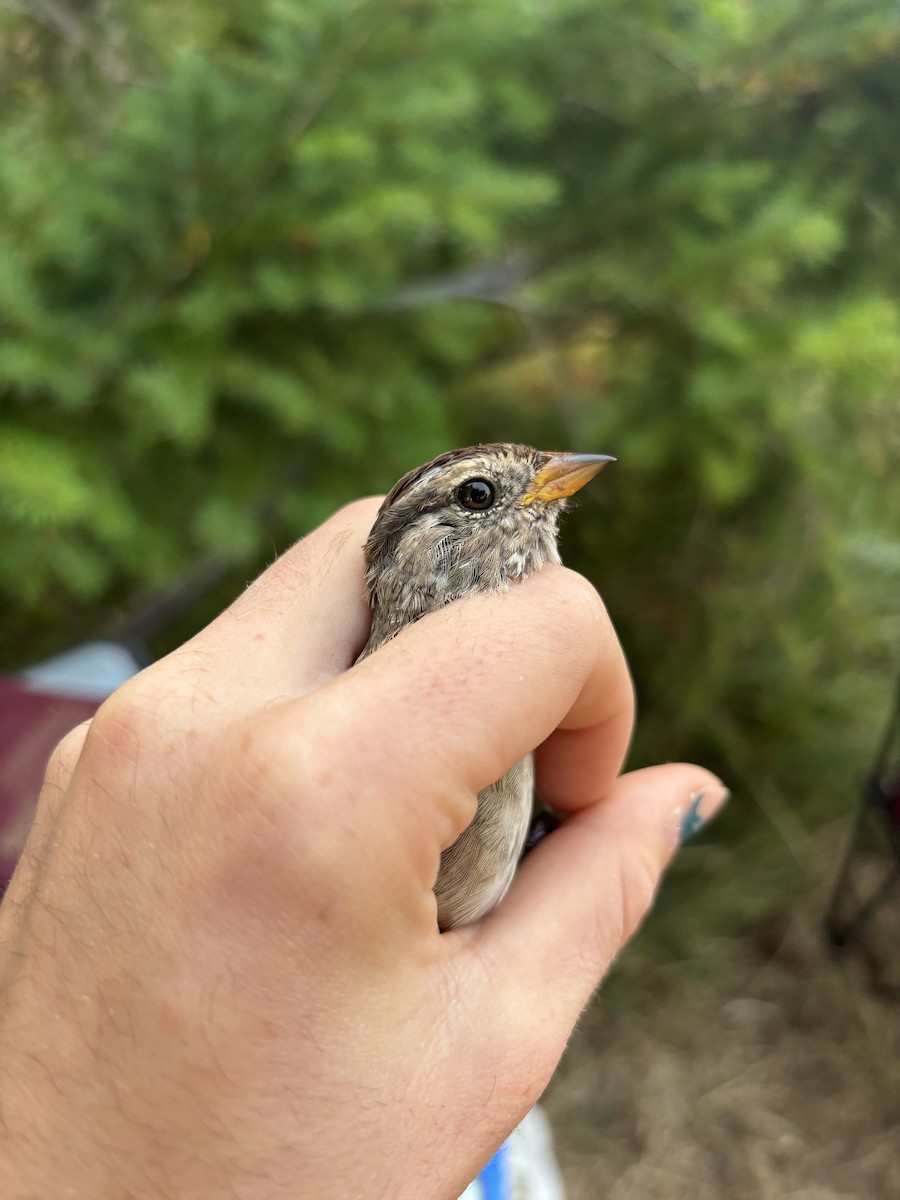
220, 973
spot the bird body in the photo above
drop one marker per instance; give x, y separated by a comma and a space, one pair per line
473, 520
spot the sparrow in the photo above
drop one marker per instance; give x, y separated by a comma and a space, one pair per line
473, 520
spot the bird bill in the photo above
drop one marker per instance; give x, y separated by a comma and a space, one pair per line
563, 475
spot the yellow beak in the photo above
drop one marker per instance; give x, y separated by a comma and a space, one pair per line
563, 474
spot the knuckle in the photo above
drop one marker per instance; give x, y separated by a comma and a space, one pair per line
159, 706
270, 761
148, 712
582, 597
65, 756
119, 724
277, 792
579, 610
253, 756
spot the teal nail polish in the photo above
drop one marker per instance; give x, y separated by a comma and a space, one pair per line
703, 807
692, 821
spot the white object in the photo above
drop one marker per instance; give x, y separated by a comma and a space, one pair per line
530, 1170
90, 671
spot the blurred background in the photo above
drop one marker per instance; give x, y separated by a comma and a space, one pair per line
257, 260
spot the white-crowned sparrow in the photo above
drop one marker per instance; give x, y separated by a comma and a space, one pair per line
472, 520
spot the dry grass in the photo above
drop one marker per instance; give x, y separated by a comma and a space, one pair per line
753, 1067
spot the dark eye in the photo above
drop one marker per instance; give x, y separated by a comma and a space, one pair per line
476, 494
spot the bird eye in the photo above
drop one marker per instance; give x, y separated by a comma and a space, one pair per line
476, 494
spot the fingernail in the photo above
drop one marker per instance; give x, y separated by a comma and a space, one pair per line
702, 807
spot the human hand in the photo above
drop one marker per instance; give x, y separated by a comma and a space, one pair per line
220, 972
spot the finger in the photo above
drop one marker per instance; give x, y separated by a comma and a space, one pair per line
60, 768
580, 895
580, 759
575, 766
64, 759
306, 618
457, 698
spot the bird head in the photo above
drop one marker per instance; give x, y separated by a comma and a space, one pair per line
472, 520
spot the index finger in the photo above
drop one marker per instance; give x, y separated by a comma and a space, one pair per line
451, 703
304, 619
580, 759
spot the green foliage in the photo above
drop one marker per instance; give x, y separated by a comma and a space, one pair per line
256, 260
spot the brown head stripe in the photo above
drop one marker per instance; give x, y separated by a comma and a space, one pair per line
412, 477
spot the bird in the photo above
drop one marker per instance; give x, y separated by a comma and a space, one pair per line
473, 520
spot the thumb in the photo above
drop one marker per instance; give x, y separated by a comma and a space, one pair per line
581, 894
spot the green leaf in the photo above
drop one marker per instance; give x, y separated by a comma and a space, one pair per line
41, 482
